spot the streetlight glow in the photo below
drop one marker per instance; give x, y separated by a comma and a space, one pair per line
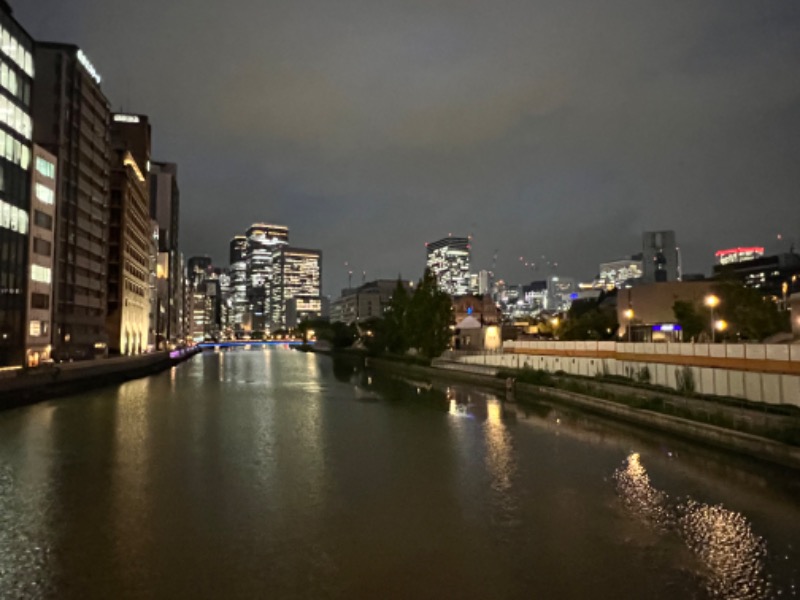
629, 316
711, 302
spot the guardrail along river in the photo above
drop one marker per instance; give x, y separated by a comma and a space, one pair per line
271, 473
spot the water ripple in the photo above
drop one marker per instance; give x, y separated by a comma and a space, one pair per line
731, 554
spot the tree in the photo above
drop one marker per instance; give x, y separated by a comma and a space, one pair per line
594, 324
429, 317
692, 321
589, 320
749, 315
338, 334
396, 321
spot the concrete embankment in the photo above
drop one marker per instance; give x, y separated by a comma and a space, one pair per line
25, 386
703, 433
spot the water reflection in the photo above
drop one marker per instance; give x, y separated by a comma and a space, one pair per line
731, 554
26, 496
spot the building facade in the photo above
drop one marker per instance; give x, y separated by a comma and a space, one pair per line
165, 209
41, 249
72, 118
16, 83
449, 260
263, 297
297, 274
365, 302
620, 273
240, 313
660, 257
130, 238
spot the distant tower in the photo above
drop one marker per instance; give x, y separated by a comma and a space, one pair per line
660, 259
449, 260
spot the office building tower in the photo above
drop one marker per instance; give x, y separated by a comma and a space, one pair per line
660, 257
449, 260
72, 122
263, 243
16, 81
40, 250
239, 318
130, 238
202, 295
298, 276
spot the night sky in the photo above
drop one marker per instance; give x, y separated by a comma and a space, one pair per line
551, 128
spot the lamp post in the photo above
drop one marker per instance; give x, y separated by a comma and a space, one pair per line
720, 325
629, 315
712, 302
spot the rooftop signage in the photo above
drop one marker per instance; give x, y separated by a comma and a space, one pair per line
126, 119
743, 250
82, 58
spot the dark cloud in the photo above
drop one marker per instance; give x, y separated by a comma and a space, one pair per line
556, 128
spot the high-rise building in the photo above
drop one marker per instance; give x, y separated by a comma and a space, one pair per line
239, 318
42, 223
165, 209
263, 243
16, 81
72, 122
130, 238
449, 260
660, 257
297, 275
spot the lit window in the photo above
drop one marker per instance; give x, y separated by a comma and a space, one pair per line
35, 328
44, 194
45, 167
40, 274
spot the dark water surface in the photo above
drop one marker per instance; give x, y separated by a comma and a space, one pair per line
275, 474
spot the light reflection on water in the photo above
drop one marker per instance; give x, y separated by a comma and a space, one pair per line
731, 554
272, 473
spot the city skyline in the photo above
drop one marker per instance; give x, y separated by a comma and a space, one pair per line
552, 130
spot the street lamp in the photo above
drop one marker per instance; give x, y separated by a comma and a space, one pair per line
629, 316
712, 302
720, 325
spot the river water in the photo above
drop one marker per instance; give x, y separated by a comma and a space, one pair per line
269, 473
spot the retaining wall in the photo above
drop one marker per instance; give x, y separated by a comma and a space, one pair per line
756, 372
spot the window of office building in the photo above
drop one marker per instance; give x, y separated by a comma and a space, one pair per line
45, 167
41, 274
44, 194
42, 220
40, 301
42, 247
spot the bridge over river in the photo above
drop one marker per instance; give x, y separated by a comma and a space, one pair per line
271, 473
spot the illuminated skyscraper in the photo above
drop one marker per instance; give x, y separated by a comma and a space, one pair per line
238, 275
15, 164
263, 243
449, 260
298, 276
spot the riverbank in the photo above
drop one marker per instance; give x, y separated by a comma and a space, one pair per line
641, 415
26, 386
